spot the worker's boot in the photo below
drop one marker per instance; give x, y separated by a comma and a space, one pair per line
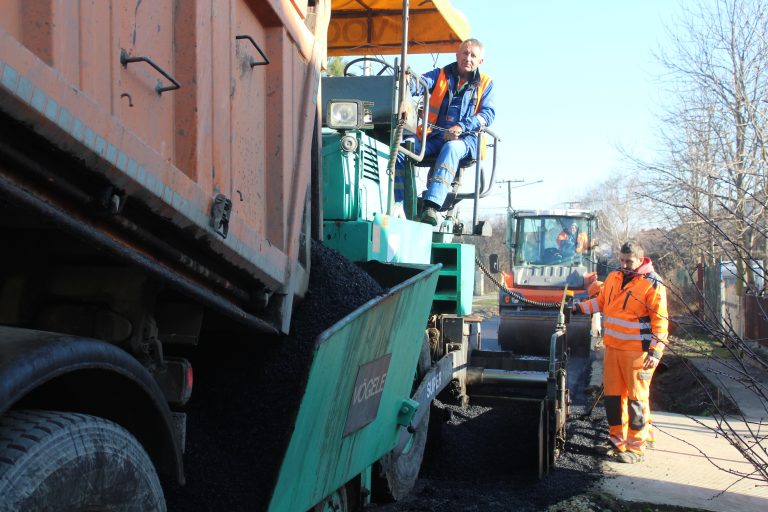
608, 448
629, 457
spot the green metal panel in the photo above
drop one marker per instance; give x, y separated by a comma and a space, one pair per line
350, 238
320, 457
386, 238
355, 182
457, 278
340, 181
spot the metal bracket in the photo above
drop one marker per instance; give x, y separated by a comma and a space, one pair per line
407, 411
125, 60
254, 62
221, 210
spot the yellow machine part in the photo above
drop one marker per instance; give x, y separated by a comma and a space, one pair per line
375, 28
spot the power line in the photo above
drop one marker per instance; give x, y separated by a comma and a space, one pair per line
510, 187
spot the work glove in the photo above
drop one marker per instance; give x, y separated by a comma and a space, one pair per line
651, 361
656, 351
654, 356
575, 309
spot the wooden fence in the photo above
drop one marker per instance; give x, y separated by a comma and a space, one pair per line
745, 315
756, 319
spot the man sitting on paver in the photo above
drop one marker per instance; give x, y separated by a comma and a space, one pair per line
633, 302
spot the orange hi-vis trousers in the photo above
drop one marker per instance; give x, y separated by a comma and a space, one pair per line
627, 386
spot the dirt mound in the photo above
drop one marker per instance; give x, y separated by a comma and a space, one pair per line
679, 387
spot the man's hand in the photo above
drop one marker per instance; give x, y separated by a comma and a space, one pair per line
653, 356
575, 309
650, 361
453, 133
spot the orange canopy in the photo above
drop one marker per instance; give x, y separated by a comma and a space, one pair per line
374, 27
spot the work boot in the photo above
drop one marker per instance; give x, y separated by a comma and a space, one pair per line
608, 449
429, 216
629, 457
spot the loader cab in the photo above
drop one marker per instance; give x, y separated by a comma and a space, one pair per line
551, 239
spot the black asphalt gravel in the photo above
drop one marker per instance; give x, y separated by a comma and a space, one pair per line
483, 458
476, 463
247, 392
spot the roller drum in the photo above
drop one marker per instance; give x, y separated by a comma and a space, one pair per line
528, 332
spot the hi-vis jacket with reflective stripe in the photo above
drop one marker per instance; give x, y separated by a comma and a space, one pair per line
477, 103
635, 315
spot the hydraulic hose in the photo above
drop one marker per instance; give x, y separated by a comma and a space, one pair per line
516, 295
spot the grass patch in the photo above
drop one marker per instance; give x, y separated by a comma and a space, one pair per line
486, 301
703, 346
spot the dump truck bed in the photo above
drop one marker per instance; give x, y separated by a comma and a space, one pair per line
167, 113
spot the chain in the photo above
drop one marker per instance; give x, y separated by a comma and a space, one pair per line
516, 295
441, 129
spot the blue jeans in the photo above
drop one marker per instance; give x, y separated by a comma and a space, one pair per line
449, 154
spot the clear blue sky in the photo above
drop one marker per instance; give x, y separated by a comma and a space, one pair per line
574, 79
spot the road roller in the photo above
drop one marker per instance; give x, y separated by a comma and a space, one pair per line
549, 250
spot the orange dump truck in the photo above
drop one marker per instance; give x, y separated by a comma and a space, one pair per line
161, 207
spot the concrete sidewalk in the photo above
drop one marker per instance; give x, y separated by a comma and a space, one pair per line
677, 473
692, 465
743, 385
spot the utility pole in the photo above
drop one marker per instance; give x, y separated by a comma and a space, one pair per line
509, 206
509, 190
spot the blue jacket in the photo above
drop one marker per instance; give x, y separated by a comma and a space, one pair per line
467, 120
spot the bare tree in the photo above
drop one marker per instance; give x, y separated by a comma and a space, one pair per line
715, 172
712, 182
622, 209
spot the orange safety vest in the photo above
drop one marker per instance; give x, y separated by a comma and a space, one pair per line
581, 241
439, 90
634, 317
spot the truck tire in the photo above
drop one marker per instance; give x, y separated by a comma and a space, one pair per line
394, 476
60, 461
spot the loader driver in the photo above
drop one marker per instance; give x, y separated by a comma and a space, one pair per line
572, 240
633, 302
461, 101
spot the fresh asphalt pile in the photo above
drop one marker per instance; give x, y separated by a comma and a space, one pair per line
235, 446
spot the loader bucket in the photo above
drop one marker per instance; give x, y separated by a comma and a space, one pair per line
357, 396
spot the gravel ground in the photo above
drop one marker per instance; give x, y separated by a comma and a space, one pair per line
482, 458
476, 465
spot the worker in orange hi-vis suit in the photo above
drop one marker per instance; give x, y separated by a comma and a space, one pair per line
633, 303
